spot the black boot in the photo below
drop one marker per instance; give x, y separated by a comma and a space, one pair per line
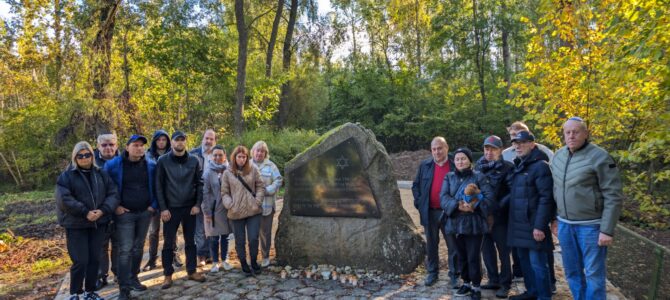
124, 294
245, 268
256, 267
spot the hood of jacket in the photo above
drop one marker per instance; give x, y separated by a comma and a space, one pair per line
153, 149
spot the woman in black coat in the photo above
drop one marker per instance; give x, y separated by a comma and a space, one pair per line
86, 199
467, 221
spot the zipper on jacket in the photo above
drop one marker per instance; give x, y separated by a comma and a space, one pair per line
565, 175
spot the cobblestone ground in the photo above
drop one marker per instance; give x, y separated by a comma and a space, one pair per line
269, 285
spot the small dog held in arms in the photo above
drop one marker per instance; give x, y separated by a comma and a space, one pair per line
470, 198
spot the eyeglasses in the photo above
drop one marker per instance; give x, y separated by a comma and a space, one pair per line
84, 155
107, 145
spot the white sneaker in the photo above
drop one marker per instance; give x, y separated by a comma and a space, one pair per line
265, 262
227, 266
214, 269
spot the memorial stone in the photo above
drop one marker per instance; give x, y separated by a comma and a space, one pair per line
342, 207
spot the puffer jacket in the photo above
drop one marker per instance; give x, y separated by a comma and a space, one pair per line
75, 198
496, 172
531, 204
239, 202
456, 221
272, 180
587, 186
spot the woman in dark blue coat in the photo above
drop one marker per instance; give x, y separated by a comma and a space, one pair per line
467, 221
86, 199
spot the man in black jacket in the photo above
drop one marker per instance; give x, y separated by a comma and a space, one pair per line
160, 145
494, 244
179, 194
531, 206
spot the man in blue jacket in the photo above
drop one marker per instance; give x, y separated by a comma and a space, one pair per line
426, 191
134, 176
531, 206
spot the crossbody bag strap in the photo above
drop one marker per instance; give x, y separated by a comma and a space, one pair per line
245, 184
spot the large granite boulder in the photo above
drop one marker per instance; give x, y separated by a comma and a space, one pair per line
342, 207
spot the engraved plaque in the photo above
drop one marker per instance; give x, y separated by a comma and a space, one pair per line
332, 185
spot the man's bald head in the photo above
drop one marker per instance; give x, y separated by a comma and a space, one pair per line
439, 149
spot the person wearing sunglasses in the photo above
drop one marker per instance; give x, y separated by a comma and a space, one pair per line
107, 148
466, 218
86, 199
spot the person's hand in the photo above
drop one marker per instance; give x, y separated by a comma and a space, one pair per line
151, 209
554, 228
538, 235
121, 210
165, 215
195, 210
91, 216
605, 240
98, 213
208, 218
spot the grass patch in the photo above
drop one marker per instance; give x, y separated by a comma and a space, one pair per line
9, 198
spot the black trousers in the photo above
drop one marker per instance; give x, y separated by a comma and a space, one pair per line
83, 246
105, 257
494, 246
469, 251
180, 215
432, 231
154, 233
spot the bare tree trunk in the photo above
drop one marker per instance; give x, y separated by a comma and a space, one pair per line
507, 69
102, 57
273, 39
58, 55
242, 48
417, 31
9, 168
286, 64
479, 57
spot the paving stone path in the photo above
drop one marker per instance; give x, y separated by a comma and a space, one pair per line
269, 285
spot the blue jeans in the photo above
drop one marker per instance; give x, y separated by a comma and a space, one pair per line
535, 267
214, 250
131, 231
201, 241
247, 229
584, 261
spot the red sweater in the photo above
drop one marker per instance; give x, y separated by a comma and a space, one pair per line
439, 172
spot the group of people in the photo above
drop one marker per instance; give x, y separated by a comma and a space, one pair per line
510, 202
107, 196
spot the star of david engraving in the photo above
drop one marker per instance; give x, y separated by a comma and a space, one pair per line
342, 162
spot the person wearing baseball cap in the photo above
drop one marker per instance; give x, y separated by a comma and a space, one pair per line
179, 193
494, 244
134, 177
531, 208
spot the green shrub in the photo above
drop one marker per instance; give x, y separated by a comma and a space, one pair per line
284, 145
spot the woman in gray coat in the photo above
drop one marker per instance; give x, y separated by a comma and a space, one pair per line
217, 228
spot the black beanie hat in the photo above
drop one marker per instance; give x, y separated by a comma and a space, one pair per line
465, 151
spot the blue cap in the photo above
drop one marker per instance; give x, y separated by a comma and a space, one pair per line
493, 141
523, 136
135, 138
